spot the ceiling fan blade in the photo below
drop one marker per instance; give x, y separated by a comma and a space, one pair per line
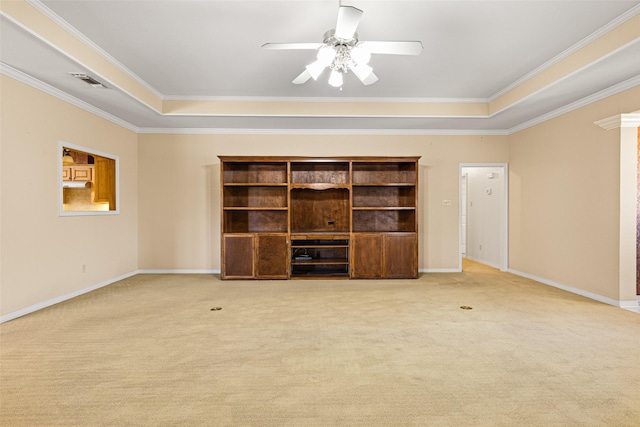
362, 71
370, 79
287, 46
393, 48
348, 20
302, 78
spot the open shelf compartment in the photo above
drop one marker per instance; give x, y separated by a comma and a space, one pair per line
318, 256
384, 173
255, 172
320, 173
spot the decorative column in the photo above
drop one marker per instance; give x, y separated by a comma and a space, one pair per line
628, 127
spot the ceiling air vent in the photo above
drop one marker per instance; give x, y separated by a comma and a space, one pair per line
88, 80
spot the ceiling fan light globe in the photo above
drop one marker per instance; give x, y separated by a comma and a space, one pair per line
335, 79
326, 54
360, 55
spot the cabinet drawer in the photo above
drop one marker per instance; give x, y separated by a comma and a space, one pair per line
82, 173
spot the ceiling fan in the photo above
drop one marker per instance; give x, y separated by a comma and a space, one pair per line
341, 51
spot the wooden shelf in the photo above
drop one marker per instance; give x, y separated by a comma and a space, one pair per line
335, 261
250, 208
384, 220
384, 173
314, 235
255, 196
255, 184
383, 184
382, 208
318, 246
323, 186
249, 220
325, 276
254, 172
355, 217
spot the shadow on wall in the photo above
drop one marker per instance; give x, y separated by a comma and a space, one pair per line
212, 213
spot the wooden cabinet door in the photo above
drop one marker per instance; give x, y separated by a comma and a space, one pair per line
237, 256
105, 182
66, 173
272, 261
366, 256
82, 173
400, 256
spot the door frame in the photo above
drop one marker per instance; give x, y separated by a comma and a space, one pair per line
504, 226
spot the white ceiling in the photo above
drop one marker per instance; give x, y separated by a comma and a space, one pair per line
474, 51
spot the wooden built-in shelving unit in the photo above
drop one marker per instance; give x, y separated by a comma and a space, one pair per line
304, 217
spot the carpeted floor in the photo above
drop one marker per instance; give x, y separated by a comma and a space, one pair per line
149, 351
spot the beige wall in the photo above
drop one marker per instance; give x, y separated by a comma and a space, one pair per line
565, 198
179, 188
43, 253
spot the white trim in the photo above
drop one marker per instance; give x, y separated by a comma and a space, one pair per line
88, 150
504, 227
628, 125
46, 88
619, 121
627, 305
89, 70
237, 131
612, 90
440, 270
179, 271
62, 298
327, 99
50, 90
570, 51
330, 116
77, 34
630, 305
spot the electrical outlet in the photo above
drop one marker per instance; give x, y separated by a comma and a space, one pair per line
446, 203
84, 268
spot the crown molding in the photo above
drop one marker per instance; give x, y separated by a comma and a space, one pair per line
609, 123
408, 132
619, 121
48, 89
571, 50
627, 84
624, 120
77, 34
327, 99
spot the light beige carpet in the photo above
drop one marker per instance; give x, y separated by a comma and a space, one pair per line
148, 351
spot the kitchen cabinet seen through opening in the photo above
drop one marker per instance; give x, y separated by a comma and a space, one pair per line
88, 181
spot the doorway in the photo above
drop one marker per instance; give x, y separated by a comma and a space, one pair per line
638, 220
483, 214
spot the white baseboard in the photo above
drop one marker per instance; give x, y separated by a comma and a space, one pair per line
179, 271
631, 306
56, 300
440, 270
627, 305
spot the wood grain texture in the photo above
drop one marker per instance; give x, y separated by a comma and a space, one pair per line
325, 196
